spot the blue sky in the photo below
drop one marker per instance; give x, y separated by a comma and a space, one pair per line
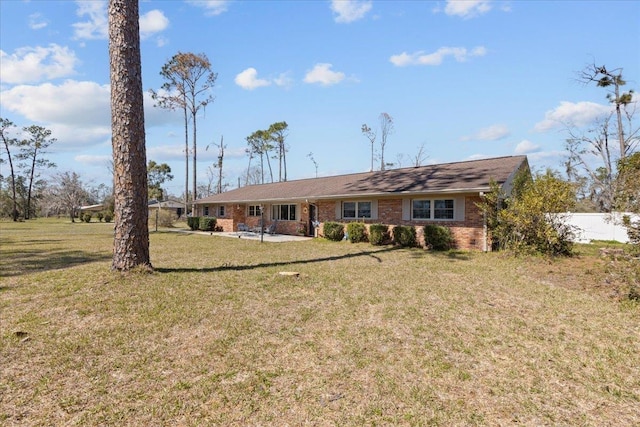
464, 79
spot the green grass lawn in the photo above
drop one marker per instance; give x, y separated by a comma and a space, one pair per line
363, 336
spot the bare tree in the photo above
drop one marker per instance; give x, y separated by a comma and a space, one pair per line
371, 136
315, 164
593, 154
420, 156
613, 81
31, 151
219, 165
386, 129
67, 194
249, 152
253, 176
9, 142
131, 233
590, 152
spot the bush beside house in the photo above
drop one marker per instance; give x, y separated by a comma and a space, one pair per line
438, 237
357, 232
405, 235
333, 231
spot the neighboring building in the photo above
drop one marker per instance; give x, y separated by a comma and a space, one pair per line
92, 208
169, 205
444, 194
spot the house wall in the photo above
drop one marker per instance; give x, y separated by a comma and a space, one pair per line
468, 234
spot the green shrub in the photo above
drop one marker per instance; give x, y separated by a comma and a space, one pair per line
379, 234
193, 222
437, 237
333, 231
532, 219
86, 217
404, 235
357, 232
164, 217
99, 215
108, 216
207, 223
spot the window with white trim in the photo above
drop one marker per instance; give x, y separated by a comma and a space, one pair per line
221, 211
421, 209
443, 209
283, 212
356, 210
206, 211
254, 210
433, 209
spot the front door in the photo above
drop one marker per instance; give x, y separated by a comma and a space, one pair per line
312, 220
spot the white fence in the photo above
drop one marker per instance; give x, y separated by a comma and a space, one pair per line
600, 226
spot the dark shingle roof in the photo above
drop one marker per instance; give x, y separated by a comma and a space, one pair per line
447, 177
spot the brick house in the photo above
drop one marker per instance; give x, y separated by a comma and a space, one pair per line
444, 194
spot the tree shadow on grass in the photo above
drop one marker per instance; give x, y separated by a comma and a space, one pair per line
23, 261
228, 267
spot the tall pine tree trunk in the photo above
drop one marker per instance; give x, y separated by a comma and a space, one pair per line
131, 237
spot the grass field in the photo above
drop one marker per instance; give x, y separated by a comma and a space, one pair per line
363, 336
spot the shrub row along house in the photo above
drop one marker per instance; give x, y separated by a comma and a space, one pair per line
442, 194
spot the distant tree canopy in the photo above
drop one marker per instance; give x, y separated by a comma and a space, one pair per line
262, 143
26, 159
158, 174
188, 83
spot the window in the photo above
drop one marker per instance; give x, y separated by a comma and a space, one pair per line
283, 212
206, 211
254, 210
220, 211
356, 209
421, 209
443, 209
432, 209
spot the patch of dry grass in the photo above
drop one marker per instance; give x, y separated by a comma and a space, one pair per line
364, 336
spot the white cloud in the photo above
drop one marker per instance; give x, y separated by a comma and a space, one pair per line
526, 147
460, 54
166, 153
467, 8
491, 133
152, 22
572, 114
37, 22
322, 74
86, 116
86, 103
97, 27
349, 10
547, 157
248, 79
33, 64
161, 41
478, 156
283, 80
93, 160
211, 7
